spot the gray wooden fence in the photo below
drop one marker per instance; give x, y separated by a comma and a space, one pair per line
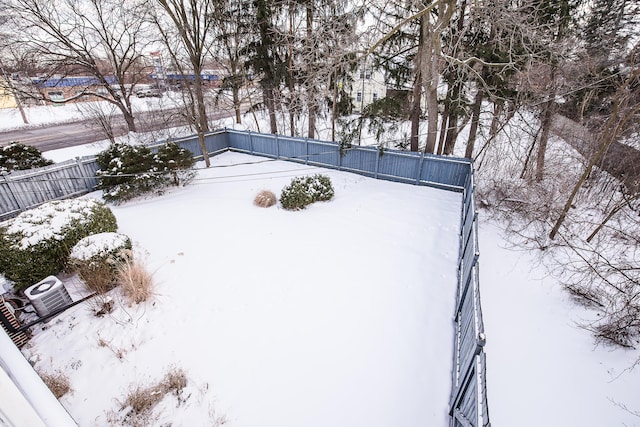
468, 403
22, 190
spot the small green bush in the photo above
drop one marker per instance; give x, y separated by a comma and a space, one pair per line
128, 171
302, 191
17, 156
176, 162
37, 243
97, 257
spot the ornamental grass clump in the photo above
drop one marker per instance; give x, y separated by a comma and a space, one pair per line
136, 282
57, 382
303, 191
37, 243
265, 199
95, 258
139, 403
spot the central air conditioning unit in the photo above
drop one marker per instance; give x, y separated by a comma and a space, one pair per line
48, 295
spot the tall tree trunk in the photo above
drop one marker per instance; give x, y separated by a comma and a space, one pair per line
444, 125
475, 120
333, 105
311, 91
544, 138
236, 104
128, 118
271, 107
498, 108
452, 134
292, 124
416, 108
431, 56
201, 110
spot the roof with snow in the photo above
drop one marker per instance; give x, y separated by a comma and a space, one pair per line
72, 81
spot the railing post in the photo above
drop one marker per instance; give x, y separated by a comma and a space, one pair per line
306, 149
85, 179
375, 175
420, 165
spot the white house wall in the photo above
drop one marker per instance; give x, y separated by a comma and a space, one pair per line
366, 88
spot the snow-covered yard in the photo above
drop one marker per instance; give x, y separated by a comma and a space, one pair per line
340, 314
309, 318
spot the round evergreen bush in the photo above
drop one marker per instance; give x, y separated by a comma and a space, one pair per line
37, 243
176, 162
128, 171
302, 191
295, 196
17, 156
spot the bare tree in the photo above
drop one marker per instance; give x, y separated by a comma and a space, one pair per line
185, 28
230, 31
103, 39
625, 111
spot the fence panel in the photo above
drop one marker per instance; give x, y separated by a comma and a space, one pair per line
21, 190
362, 160
468, 406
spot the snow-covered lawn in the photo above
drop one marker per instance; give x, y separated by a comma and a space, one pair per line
338, 315
215, 253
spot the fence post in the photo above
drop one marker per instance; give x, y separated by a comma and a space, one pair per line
306, 151
377, 164
420, 165
85, 178
277, 147
250, 143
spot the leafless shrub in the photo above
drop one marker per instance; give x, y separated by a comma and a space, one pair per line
98, 275
174, 381
136, 281
57, 382
119, 352
265, 199
140, 400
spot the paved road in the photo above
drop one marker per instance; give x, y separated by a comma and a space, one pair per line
57, 136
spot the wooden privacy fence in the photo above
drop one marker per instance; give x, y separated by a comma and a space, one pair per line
468, 402
21, 190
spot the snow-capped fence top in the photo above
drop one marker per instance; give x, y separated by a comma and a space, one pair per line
468, 404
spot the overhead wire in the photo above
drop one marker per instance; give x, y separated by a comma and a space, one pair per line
228, 178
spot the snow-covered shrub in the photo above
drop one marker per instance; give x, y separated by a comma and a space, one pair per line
96, 258
265, 199
176, 162
128, 171
320, 188
302, 191
17, 156
37, 243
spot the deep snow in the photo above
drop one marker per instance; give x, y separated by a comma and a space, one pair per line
340, 314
